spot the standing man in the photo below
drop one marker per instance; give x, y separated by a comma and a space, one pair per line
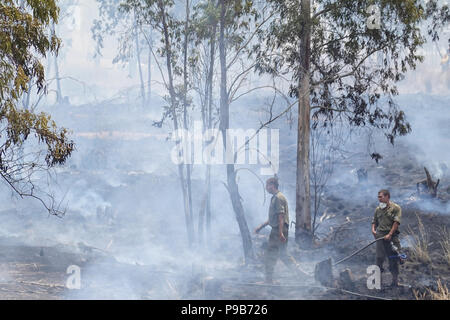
385, 224
279, 221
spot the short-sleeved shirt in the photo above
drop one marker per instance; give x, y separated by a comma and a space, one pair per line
278, 205
385, 218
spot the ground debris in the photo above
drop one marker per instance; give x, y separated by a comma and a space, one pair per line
428, 186
346, 280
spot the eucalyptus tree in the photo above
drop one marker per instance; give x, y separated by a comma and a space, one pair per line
24, 41
52, 58
240, 22
343, 59
172, 62
203, 77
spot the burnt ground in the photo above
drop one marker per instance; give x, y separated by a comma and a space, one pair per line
40, 272
29, 271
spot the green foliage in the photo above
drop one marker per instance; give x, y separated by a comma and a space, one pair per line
353, 69
206, 15
24, 41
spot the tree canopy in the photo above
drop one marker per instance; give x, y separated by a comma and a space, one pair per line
24, 41
341, 63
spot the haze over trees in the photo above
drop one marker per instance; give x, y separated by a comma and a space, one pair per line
326, 58
341, 64
24, 41
134, 39
336, 61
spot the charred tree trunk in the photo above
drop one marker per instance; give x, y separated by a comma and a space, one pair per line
429, 186
303, 206
232, 186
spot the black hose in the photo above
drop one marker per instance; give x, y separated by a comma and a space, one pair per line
346, 258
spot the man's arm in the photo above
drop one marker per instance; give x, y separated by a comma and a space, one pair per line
391, 233
397, 219
374, 224
280, 226
265, 224
374, 232
280, 209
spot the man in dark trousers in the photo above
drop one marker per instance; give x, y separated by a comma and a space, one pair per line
385, 224
279, 221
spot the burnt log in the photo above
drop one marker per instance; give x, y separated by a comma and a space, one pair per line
346, 280
428, 186
323, 273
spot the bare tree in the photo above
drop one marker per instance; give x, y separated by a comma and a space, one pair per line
203, 65
327, 138
135, 36
170, 30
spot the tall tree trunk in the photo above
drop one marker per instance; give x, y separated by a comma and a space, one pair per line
201, 217
303, 206
149, 69
224, 125
208, 203
185, 120
189, 222
26, 100
208, 124
138, 56
55, 61
58, 82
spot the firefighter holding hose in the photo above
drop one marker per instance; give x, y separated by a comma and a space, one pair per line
385, 223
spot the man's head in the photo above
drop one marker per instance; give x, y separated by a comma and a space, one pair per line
272, 185
384, 196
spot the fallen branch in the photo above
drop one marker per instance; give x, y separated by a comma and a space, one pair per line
428, 185
42, 284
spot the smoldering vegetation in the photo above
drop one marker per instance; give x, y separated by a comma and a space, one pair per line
124, 224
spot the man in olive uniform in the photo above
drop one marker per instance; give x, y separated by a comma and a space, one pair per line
385, 224
279, 221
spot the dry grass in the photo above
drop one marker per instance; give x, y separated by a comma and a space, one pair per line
442, 293
419, 251
445, 244
419, 295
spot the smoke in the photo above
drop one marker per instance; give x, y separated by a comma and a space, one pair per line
4, 275
125, 218
429, 118
125, 213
